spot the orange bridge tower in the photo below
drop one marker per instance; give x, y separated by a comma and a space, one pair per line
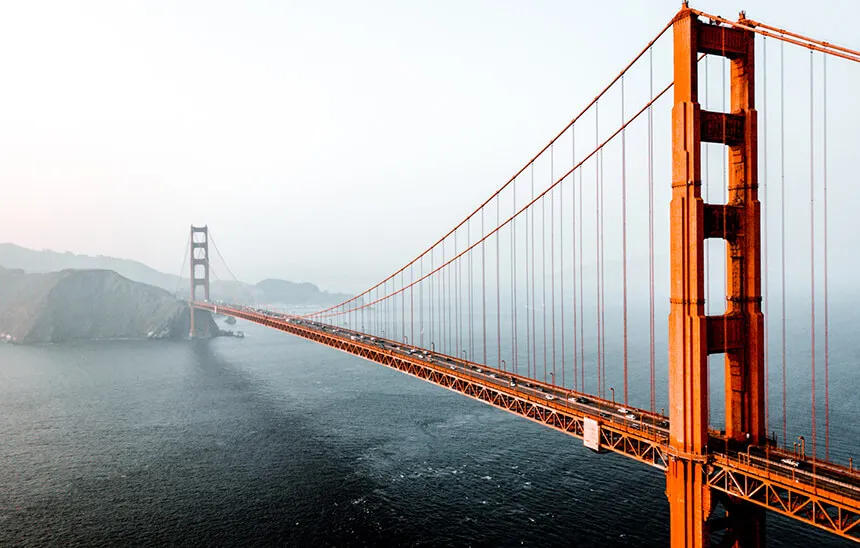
693, 335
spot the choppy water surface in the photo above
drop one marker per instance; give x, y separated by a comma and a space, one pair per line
274, 440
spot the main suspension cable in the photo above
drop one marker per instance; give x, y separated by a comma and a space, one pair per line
786, 36
522, 169
524, 208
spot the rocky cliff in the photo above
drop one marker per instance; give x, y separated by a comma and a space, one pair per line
90, 304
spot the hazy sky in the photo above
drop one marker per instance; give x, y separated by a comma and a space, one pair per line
320, 141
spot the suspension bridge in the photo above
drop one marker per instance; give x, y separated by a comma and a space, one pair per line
544, 302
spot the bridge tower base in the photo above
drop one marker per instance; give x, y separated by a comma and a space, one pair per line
199, 274
693, 335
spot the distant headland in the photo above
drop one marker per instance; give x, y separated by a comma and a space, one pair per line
51, 297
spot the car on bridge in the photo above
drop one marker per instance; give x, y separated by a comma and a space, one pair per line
790, 462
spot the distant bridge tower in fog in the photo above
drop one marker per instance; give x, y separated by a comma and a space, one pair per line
199, 276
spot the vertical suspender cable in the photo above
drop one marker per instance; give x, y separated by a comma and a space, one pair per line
512, 283
543, 279
498, 290
724, 193
826, 302
764, 208
411, 304
561, 270
573, 257
652, 356
392, 314
528, 299
597, 237
602, 296
468, 246
452, 344
581, 296
724, 198
435, 305
458, 300
515, 341
782, 229
534, 274
624, 230
552, 253
812, 233
443, 305
432, 296
483, 288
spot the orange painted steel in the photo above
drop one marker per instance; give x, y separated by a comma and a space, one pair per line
784, 35
517, 174
536, 199
743, 337
689, 497
739, 332
644, 444
832, 504
825, 509
701, 466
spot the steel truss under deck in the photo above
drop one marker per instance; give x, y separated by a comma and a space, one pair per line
736, 477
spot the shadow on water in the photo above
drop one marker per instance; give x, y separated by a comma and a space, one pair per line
261, 469
212, 460
288, 443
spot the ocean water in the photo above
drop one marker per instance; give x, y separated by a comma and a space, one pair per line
273, 440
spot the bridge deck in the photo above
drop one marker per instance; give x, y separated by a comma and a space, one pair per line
820, 493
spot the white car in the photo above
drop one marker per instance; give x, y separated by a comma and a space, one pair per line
550, 397
790, 462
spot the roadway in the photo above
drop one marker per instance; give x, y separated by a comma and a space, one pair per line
632, 418
793, 472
